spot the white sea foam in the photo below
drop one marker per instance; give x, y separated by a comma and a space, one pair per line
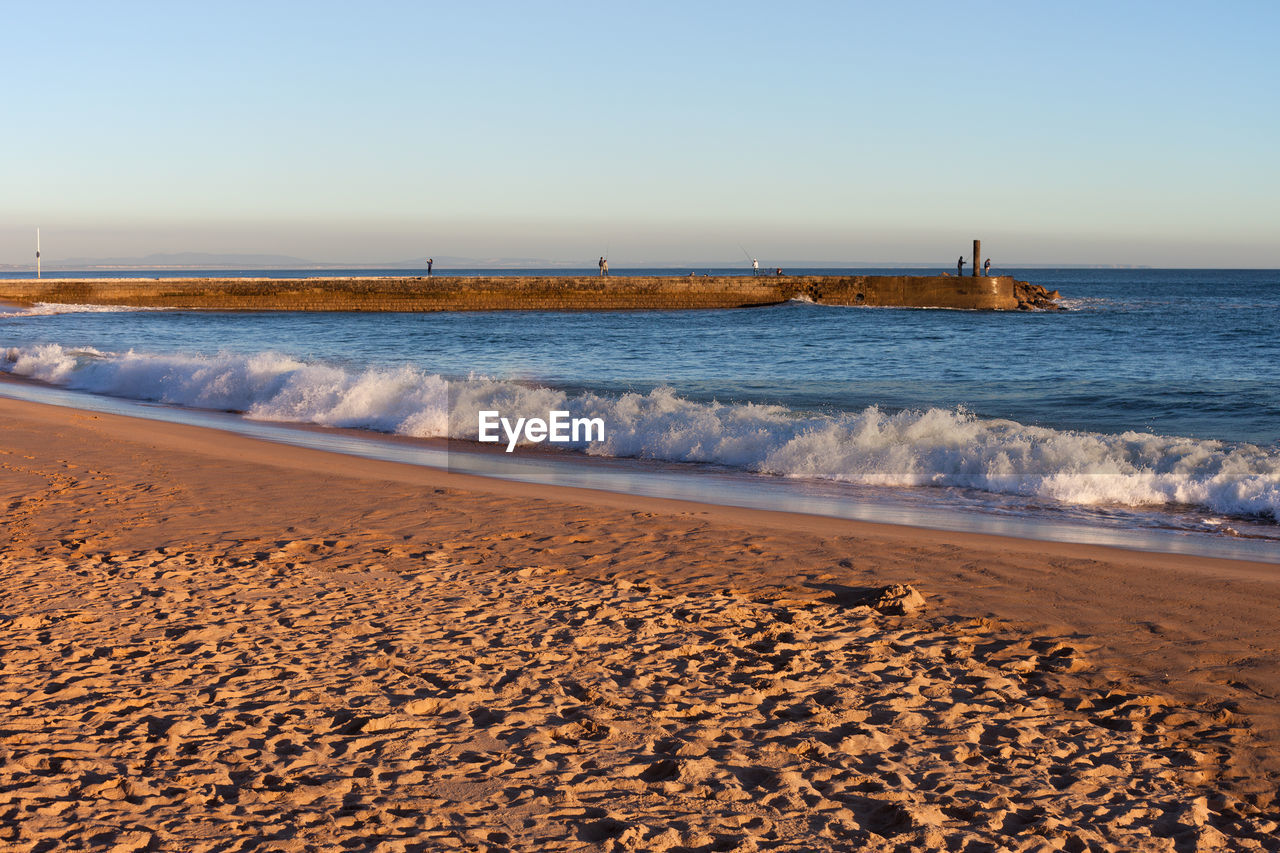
1085, 303
49, 309
934, 447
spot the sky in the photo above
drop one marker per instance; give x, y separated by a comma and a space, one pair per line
663, 133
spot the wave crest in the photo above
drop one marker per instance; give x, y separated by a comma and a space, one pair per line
935, 447
50, 309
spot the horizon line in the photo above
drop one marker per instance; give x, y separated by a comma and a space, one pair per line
479, 264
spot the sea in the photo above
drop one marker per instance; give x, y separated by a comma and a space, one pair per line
1145, 414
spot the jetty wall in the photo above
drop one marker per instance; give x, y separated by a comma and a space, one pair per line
555, 293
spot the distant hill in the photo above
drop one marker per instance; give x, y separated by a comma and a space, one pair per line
443, 263
446, 261
215, 261
195, 260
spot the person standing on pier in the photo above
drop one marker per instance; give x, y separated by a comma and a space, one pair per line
429, 263
755, 267
986, 268
960, 266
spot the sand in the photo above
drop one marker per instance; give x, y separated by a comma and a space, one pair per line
213, 643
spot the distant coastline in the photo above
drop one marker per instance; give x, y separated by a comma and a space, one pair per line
443, 263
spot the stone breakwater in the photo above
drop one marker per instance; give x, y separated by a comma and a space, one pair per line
532, 293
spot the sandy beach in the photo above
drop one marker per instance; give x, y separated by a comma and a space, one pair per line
215, 643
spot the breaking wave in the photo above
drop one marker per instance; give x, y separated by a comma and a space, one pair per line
934, 447
49, 309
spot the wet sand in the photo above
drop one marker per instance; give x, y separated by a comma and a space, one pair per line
214, 643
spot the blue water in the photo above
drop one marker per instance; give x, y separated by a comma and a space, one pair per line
1152, 400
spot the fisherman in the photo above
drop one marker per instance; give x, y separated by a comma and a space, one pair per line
755, 267
429, 263
960, 266
604, 267
986, 268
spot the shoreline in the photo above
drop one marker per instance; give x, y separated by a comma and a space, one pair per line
659, 479
675, 480
534, 293
188, 556
621, 499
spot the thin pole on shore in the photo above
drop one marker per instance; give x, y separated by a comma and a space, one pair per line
977, 258
37, 253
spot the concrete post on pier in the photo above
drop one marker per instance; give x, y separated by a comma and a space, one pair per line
977, 258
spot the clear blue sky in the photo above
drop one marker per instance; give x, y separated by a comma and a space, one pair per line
1095, 132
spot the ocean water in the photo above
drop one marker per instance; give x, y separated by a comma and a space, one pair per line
1152, 402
